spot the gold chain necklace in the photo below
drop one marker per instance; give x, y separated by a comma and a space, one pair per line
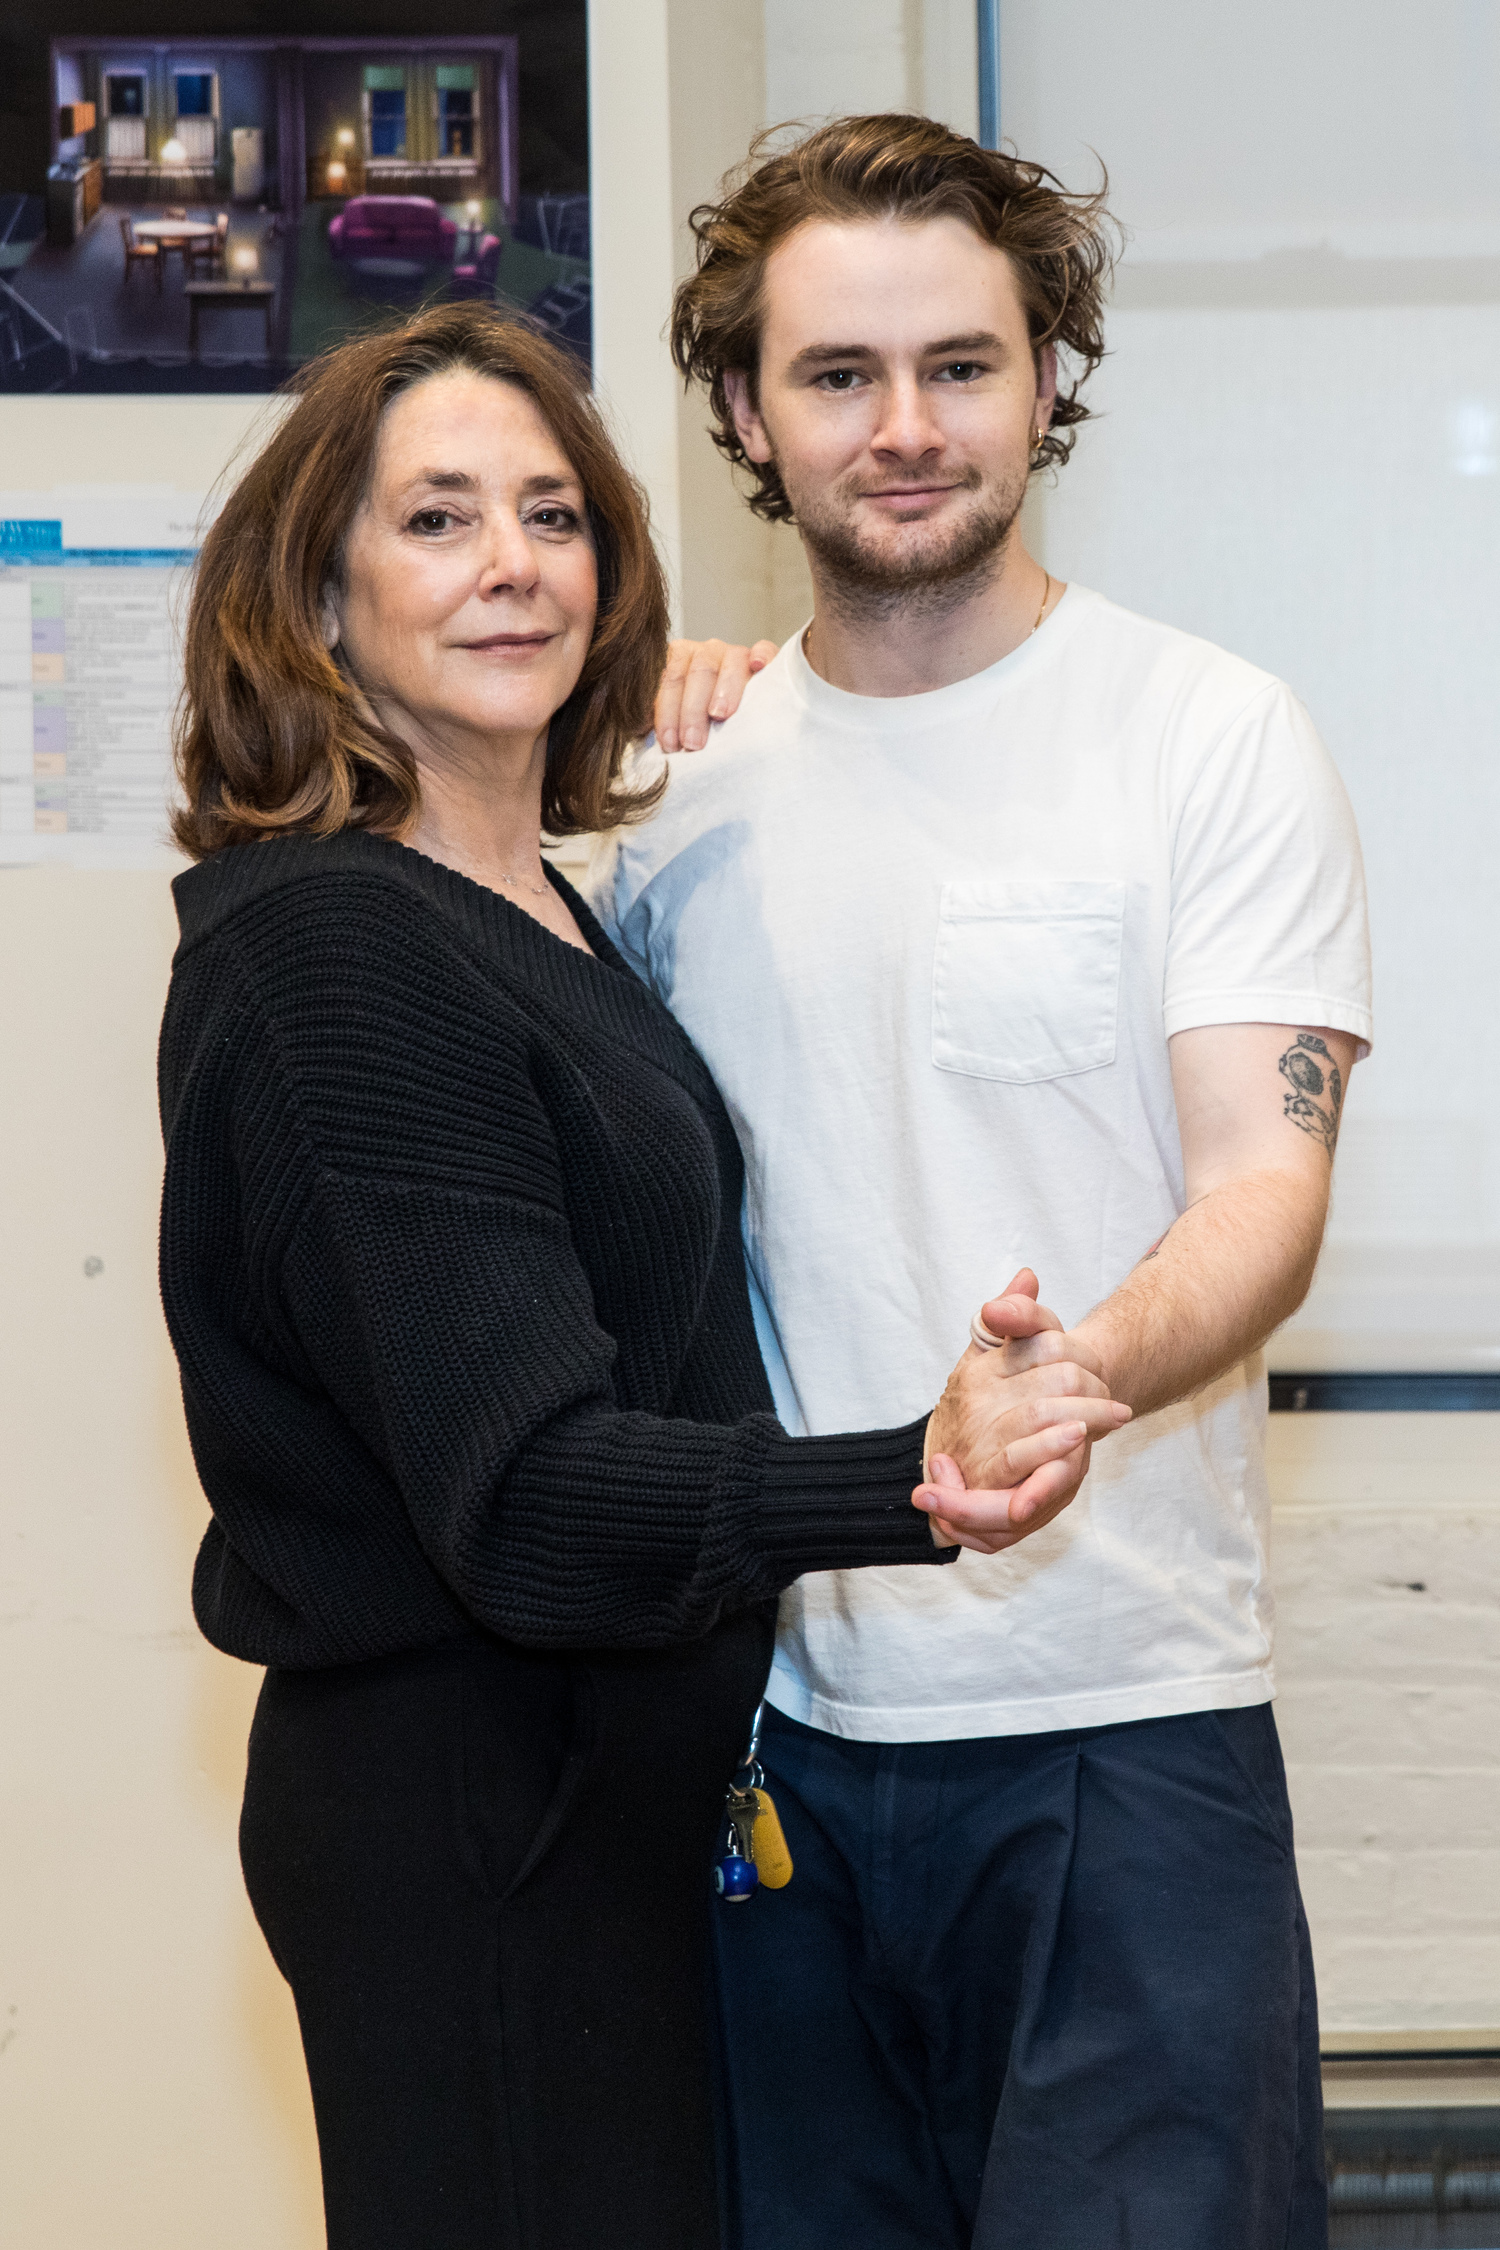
1041, 613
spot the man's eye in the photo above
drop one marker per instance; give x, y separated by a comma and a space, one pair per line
962, 370
839, 378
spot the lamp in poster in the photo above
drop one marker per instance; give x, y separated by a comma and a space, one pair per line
208, 209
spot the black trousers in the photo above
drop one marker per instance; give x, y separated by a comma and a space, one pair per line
1035, 1992
485, 1874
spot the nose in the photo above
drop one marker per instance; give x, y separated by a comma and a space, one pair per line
510, 558
908, 429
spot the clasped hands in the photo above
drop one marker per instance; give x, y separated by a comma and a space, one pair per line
1009, 1442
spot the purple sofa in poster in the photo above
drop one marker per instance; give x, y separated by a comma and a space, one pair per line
392, 226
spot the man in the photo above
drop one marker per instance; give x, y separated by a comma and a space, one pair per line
1012, 927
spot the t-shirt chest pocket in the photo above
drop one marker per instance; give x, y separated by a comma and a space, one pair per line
1026, 979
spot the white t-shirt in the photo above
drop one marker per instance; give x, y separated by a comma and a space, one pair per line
933, 948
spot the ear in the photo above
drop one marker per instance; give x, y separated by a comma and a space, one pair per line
748, 424
328, 623
1046, 385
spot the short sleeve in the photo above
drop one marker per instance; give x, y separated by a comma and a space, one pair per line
609, 886
1268, 921
620, 870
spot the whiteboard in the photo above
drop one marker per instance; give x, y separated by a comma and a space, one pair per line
1319, 490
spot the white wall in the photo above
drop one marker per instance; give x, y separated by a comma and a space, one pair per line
1386, 1558
1367, 124
1285, 480
1298, 456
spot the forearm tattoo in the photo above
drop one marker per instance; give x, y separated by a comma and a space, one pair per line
1317, 1088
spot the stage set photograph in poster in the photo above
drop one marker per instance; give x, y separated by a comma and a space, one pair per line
204, 198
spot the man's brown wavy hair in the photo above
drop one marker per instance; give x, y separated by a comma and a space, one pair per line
273, 736
1060, 246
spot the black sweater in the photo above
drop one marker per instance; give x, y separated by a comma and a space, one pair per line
451, 1262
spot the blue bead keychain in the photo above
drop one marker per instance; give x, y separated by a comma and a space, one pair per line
735, 1878
757, 1852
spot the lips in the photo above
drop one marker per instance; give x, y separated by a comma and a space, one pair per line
914, 492
515, 644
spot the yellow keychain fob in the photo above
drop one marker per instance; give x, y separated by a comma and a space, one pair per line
757, 1843
773, 1862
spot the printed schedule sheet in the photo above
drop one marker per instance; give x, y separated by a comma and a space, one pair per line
92, 586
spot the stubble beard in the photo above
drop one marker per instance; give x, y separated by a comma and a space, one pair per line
929, 577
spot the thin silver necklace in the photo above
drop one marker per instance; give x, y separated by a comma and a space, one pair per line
537, 890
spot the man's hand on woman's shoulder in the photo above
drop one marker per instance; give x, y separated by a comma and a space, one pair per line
703, 682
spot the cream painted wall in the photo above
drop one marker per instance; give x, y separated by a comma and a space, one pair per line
150, 2069
633, 221
822, 60
151, 2074
189, 442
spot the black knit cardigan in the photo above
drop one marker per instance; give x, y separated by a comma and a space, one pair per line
451, 1261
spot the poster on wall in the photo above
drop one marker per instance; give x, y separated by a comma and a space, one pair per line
204, 199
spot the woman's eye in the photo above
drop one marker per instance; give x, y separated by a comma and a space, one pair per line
554, 519
430, 520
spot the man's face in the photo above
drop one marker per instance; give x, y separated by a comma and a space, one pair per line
898, 397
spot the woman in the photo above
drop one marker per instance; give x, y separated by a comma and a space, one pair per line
452, 1267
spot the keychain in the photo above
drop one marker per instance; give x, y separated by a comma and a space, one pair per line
757, 1850
735, 1877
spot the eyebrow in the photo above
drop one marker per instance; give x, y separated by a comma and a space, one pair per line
444, 480
976, 340
459, 480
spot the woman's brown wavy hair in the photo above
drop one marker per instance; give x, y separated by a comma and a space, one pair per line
1060, 246
273, 736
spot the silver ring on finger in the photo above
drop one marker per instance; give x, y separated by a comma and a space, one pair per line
981, 1337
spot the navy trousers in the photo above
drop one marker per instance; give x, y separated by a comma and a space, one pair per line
1035, 1992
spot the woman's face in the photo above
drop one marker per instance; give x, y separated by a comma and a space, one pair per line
470, 583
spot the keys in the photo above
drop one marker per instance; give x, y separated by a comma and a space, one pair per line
757, 1846
759, 1835
743, 1812
736, 1876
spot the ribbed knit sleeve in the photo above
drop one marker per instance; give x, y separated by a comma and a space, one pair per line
438, 1256
483, 1380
